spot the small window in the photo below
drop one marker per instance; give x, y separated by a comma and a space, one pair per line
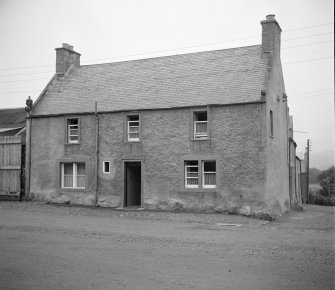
133, 128
200, 125
73, 175
73, 131
209, 174
106, 167
271, 123
191, 174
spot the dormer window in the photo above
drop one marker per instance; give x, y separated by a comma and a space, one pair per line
200, 123
72, 130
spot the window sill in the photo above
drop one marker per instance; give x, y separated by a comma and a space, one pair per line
72, 143
200, 139
133, 141
201, 189
65, 190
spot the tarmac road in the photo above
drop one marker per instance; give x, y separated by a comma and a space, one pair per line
60, 247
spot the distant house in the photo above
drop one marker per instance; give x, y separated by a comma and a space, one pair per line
198, 131
13, 122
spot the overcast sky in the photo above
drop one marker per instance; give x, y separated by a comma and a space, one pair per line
108, 31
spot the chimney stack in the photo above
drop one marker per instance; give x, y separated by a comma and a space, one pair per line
271, 35
65, 57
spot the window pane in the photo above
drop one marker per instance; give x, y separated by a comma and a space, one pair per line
72, 122
81, 168
195, 162
133, 118
81, 181
106, 166
134, 135
68, 168
133, 129
209, 166
201, 127
68, 181
192, 181
210, 179
200, 116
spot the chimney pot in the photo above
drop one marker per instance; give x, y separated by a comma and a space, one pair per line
270, 17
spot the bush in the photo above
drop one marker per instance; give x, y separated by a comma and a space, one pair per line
320, 199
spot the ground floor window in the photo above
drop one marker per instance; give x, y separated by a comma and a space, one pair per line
73, 175
200, 176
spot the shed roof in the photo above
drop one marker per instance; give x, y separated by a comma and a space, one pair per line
196, 79
12, 118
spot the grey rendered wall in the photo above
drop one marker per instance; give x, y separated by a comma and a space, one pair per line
236, 143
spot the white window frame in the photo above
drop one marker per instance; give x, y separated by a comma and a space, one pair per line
74, 176
109, 167
199, 135
207, 172
72, 127
201, 174
129, 125
186, 177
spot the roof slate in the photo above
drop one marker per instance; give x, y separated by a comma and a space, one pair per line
196, 79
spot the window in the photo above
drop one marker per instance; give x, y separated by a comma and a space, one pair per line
200, 125
209, 174
192, 174
106, 167
133, 128
73, 175
271, 123
72, 130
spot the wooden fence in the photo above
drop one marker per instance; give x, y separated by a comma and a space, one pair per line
10, 165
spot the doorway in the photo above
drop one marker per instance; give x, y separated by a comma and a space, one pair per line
132, 196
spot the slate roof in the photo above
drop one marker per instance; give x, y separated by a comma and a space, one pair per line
213, 77
12, 119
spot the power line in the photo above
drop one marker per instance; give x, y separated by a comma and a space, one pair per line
314, 59
318, 34
307, 27
307, 44
311, 92
33, 73
309, 97
173, 49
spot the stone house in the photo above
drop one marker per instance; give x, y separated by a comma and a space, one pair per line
197, 131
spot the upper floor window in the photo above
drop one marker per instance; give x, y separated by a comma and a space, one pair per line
73, 175
72, 130
271, 123
200, 125
133, 128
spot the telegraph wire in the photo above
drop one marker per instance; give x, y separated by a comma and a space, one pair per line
185, 47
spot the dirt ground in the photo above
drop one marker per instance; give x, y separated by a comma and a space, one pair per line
45, 246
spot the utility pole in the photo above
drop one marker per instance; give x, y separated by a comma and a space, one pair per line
308, 149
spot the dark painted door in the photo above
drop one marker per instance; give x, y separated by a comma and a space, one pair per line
133, 184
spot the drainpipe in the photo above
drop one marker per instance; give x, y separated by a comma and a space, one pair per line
96, 153
28, 109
